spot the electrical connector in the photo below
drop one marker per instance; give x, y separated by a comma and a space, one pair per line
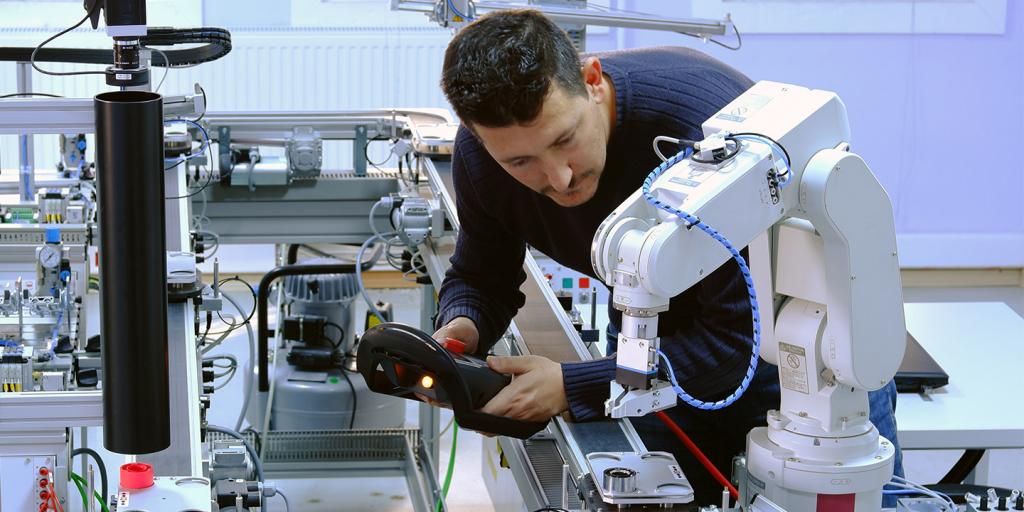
402, 147
712, 149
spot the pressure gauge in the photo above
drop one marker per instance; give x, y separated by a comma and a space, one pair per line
49, 256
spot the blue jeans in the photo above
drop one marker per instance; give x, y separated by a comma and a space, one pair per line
722, 434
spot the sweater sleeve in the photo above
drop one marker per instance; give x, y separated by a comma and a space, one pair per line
487, 266
586, 386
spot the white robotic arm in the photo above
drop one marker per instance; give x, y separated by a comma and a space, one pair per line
774, 161
650, 255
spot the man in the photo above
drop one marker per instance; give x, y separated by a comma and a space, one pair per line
549, 146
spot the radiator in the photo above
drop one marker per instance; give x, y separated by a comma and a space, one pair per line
269, 69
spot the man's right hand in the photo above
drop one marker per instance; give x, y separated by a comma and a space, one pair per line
462, 329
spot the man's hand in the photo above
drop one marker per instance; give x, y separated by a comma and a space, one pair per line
462, 329
536, 392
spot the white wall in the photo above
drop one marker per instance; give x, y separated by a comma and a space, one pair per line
937, 116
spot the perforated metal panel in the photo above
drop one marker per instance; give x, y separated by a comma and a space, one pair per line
332, 445
547, 464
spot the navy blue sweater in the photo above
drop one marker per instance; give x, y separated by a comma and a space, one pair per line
706, 332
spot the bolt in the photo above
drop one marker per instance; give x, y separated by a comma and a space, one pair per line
839, 463
802, 414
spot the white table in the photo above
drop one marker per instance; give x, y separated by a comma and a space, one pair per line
981, 346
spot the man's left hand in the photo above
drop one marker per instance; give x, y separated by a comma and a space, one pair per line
536, 392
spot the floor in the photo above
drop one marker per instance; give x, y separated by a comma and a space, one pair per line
467, 491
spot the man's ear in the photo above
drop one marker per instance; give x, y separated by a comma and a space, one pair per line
593, 78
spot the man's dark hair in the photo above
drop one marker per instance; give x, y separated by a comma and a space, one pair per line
499, 69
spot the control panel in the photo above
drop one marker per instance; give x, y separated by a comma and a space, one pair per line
27, 484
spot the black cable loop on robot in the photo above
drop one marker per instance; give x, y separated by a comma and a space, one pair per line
216, 43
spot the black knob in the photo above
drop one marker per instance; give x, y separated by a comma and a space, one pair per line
1002, 503
565, 299
1019, 504
64, 345
93, 345
87, 378
983, 505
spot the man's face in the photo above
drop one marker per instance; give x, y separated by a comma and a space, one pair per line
561, 153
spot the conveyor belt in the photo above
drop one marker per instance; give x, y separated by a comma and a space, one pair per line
600, 436
542, 332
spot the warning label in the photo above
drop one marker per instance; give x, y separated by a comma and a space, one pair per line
793, 367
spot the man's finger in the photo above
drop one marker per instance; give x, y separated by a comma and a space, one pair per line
499, 405
514, 365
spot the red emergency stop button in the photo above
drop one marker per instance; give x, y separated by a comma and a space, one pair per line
453, 345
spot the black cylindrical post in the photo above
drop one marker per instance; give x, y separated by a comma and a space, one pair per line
133, 271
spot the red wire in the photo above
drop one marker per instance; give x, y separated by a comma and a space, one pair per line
53, 496
690, 445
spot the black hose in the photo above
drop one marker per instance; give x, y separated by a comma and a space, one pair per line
215, 43
293, 254
355, 397
963, 467
99, 464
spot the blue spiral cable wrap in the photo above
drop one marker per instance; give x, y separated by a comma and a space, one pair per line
692, 221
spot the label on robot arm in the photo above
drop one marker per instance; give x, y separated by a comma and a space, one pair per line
677, 472
793, 367
123, 498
